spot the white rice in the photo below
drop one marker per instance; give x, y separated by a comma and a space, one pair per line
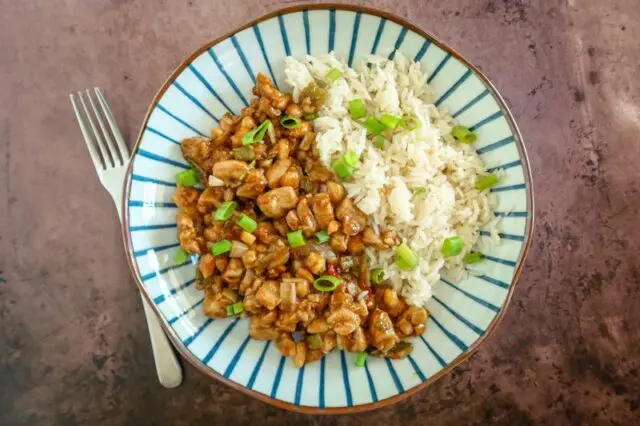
428, 158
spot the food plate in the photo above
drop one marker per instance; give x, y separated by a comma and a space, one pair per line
218, 78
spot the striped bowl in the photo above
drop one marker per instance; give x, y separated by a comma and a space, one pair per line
218, 78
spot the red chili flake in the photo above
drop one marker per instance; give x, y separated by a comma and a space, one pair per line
333, 270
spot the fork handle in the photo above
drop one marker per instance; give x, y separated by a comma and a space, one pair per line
167, 366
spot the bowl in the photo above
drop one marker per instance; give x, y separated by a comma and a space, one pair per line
218, 78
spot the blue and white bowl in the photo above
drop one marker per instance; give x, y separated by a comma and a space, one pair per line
218, 78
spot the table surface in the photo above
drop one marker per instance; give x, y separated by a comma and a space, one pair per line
74, 347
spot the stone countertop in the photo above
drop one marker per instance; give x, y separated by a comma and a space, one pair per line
74, 347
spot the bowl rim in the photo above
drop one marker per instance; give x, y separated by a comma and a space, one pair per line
491, 328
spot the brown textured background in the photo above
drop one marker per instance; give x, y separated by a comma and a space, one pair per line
73, 344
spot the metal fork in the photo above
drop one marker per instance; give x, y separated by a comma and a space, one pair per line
111, 160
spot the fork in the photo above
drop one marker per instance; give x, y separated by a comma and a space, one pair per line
111, 160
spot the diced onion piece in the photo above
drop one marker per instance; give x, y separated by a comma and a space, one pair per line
247, 238
215, 182
238, 249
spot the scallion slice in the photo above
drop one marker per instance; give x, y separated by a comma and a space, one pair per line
356, 109
361, 359
351, 158
187, 178
342, 168
374, 126
247, 223
378, 141
257, 134
229, 310
290, 122
419, 190
333, 75
225, 211
463, 134
296, 239
452, 246
181, 257
220, 247
486, 182
244, 153
326, 283
473, 257
322, 236
410, 122
407, 256
377, 275
391, 121
310, 117
237, 308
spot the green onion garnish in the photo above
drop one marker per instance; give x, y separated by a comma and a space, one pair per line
181, 257
374, 126
408, 257
225, 211
326, 283
257, 134
246, 223
244, 153
404, 266
322, 236
473, 257
351, 158
410, 122
296, 239
220, 247
419, 190
391, 121
187, 178
237, 307
310, 117
378, 141
361, 359
452, 246
333, 75
463, 134
377, 275
486, 182
290, 122
229, 310
342, 168
356, 109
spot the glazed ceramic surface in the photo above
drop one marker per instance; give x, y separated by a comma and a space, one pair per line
218, 79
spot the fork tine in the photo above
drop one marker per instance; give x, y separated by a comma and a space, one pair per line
88, 140
108, 140
108, 162
124, 151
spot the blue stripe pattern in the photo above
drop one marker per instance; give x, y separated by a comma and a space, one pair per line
321, 390
283, 34
210, 88
345, 378
516, 187
460, 318
399, 40
236, 357
299, 386
354, 36
506, 141
394, 376
162, 135
307, 30
453, 88
417, 369
493, 281
504, 236
434, 353
455, 339
161, 298
194, 100
146, 179
256, 369
439, 68
422, 51
151, 227
152, 204
332, 29
276, 381
227, 76
143, 252
243, 58
501, 261
471, 103
511, 214
376, 41
220, 340
256, 31
199, 331
487, 120
183, 313
372, 388
179, 120
479, 301
505, 166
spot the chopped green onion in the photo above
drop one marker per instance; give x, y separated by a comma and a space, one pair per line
410, 122
314, 341
247, 223
361, 359
310, 117
244, 153
391, 121
237, 307
322, 236
473, 257
404, 266
452, 246
257, 134
377, 275
356, 109
378, 141
486, 182
342, 168
333, 75
351, 158
374, 126
290, 122
181, 257
229, 310
225, 211
296, 239
463, 134
419, 190
326, 283
408, 257
220, 247
187, 178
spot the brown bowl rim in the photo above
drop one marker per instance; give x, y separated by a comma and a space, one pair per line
457, 361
